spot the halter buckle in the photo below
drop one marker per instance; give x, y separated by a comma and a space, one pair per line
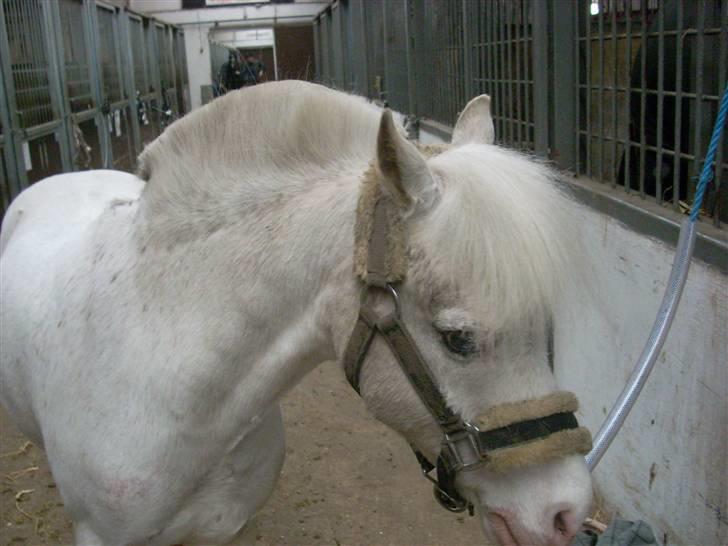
462, 450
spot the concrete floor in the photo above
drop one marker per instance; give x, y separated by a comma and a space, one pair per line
347, 480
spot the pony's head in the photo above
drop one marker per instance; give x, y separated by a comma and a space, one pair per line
488, 247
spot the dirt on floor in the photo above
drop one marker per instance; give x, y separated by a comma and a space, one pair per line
347, 480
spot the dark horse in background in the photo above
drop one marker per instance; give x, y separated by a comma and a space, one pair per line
684, 46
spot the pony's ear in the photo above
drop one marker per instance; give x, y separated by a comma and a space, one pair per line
405, 174
475, 124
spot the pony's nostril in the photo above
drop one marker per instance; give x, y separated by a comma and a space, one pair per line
559, 523
565, 526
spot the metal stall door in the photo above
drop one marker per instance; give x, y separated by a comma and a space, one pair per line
182, 85
336, 60
9, 185
32, 91
157, 118
115, 104
7, 191
143, 92
396, 84
166, 73
79, 93
374, 25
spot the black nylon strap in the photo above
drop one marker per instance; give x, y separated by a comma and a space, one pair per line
525, 431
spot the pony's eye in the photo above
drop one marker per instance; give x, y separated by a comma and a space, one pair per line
459, 342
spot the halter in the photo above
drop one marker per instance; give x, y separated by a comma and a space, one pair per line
508, 436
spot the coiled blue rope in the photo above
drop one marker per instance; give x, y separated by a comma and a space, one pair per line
706, 175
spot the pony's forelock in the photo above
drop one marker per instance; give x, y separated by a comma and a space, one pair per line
501, 235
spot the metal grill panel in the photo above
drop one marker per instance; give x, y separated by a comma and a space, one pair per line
374, 25
165, 57
648, 90
138, 55
153, 61
440, 61
78, 81
502, 67
358, 55
4, 185
395, 56
180, 69
109, 55
28, 61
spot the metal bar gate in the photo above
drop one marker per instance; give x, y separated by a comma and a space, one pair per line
83, 84
621, 91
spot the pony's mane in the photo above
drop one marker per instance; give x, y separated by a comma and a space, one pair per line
249, 142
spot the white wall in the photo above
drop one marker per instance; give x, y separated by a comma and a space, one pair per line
669, 464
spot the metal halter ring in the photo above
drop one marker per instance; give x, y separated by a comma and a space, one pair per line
367, 289
446, 501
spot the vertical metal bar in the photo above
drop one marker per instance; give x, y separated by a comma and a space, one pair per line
365, 48
698, 102
13, 154
643, 94
410, 56
588, 140
540, 79
678, 107
467, 53
628, 96
660, 101
613, 7
494, 59
511, 93
564, 87
528, 55
385, 48
721, 82
479, 53
577, 83
130, 79
56, 82
317, 48
600, 106
487, 55
517, 43
101, 120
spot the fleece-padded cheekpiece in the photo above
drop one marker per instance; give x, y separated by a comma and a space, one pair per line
396, 244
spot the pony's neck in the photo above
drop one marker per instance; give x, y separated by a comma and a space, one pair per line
266, 283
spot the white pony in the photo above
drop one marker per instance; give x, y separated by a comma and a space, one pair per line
151, 325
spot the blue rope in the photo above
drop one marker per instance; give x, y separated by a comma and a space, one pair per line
706, 174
